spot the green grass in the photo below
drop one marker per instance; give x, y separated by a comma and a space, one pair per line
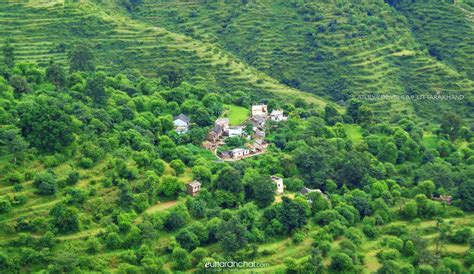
354, 132
430, 141
237, 115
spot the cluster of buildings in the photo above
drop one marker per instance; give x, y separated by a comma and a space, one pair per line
222, 128
258, 145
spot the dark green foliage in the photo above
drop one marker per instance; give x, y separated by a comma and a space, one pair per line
231, 236
12, 142
263, 191
45, 124
46, 183
64, 219
171, 74
8, 51
81, 58
56, 74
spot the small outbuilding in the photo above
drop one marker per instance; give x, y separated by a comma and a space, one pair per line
193, 188
279, 184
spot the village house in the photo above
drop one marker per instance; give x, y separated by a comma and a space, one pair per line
279, 184
259, 110
258, 122
181, 123
224, 122
447, 199
238, 153
216, 133
193, 188
277, 115
235, 131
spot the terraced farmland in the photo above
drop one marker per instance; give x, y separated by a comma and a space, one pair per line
50, 31
337, 50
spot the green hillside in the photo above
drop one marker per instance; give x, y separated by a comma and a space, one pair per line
51, 30
108, 112
338, 50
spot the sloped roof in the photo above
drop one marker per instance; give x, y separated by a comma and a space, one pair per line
195, 183
182, 117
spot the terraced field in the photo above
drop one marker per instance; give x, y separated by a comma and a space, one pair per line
336, 50
49, 31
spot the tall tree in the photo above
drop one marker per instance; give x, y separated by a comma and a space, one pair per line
45, 125
12, 142
81, 58
451, 124
56, 74
9, 53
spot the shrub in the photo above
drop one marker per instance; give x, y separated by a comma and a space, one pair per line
45, 183
5, 205
73, 177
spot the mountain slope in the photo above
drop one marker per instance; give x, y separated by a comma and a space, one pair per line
44, 31
339, 49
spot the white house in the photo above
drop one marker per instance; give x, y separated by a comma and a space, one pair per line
259, 110
239, 153
277, 115
235, 131
181, 123
279, 184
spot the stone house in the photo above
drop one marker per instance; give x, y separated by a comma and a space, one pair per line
193, 188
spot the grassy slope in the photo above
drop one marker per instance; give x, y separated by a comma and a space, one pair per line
237, 115
375, 54
119, 43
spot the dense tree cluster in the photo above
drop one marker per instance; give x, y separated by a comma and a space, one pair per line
100, 149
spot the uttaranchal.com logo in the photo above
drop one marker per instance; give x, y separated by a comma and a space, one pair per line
234, 264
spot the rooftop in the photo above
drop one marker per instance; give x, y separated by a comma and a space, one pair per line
182, 117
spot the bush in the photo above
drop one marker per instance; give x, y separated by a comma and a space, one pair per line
5, 206
159, 166
46, 183
298, 238
73, 177
178, 166
86, 163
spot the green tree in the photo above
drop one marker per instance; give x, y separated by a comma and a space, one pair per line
291, 214
187, 239
181, 259
46, 184
178, 166
65, 219
465, 195
9, 53
56, 74
341, 263
81, 58
388, 153
19, 84
230, 179
231, 236
12, 142
45, 124
5, 206
171, 74
170, 186
95, 89
450, 125
263, 190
